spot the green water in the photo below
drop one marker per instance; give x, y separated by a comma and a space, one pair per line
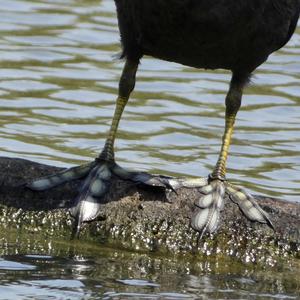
35, 269
58, 84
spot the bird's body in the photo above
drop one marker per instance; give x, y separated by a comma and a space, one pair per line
237, 35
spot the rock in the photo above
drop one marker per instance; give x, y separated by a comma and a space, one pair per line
144, 219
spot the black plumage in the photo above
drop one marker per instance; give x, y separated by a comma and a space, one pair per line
236, 35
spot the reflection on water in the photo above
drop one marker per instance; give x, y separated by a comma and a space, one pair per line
32, 269
58, 83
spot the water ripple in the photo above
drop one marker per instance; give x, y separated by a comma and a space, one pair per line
58, 82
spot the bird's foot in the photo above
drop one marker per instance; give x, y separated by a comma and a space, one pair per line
87, 205
209, 206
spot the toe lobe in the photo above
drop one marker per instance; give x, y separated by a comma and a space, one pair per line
249, 206
209, 206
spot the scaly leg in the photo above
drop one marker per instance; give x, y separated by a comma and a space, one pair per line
87, 205
206, 216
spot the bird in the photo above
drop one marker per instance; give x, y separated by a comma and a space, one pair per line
235, 35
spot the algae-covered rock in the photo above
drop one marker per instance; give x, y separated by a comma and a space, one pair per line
139, 218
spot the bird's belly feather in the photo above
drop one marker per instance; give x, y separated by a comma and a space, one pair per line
212, 34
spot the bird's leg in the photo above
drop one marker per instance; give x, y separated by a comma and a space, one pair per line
126, 85
206, 216
87, 205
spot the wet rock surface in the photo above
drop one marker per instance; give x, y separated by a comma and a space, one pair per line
140, 218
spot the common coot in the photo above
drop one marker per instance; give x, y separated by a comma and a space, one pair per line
236, 35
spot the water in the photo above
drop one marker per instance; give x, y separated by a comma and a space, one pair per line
34, 269
58, 84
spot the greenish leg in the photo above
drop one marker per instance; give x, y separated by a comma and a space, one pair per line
88, 203
220, 168
233, 103
209, 207
126, 85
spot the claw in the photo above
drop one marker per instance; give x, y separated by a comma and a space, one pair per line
148, 179
248, 205
206, 219
142, 177
87, 205
158, 180
51, 181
